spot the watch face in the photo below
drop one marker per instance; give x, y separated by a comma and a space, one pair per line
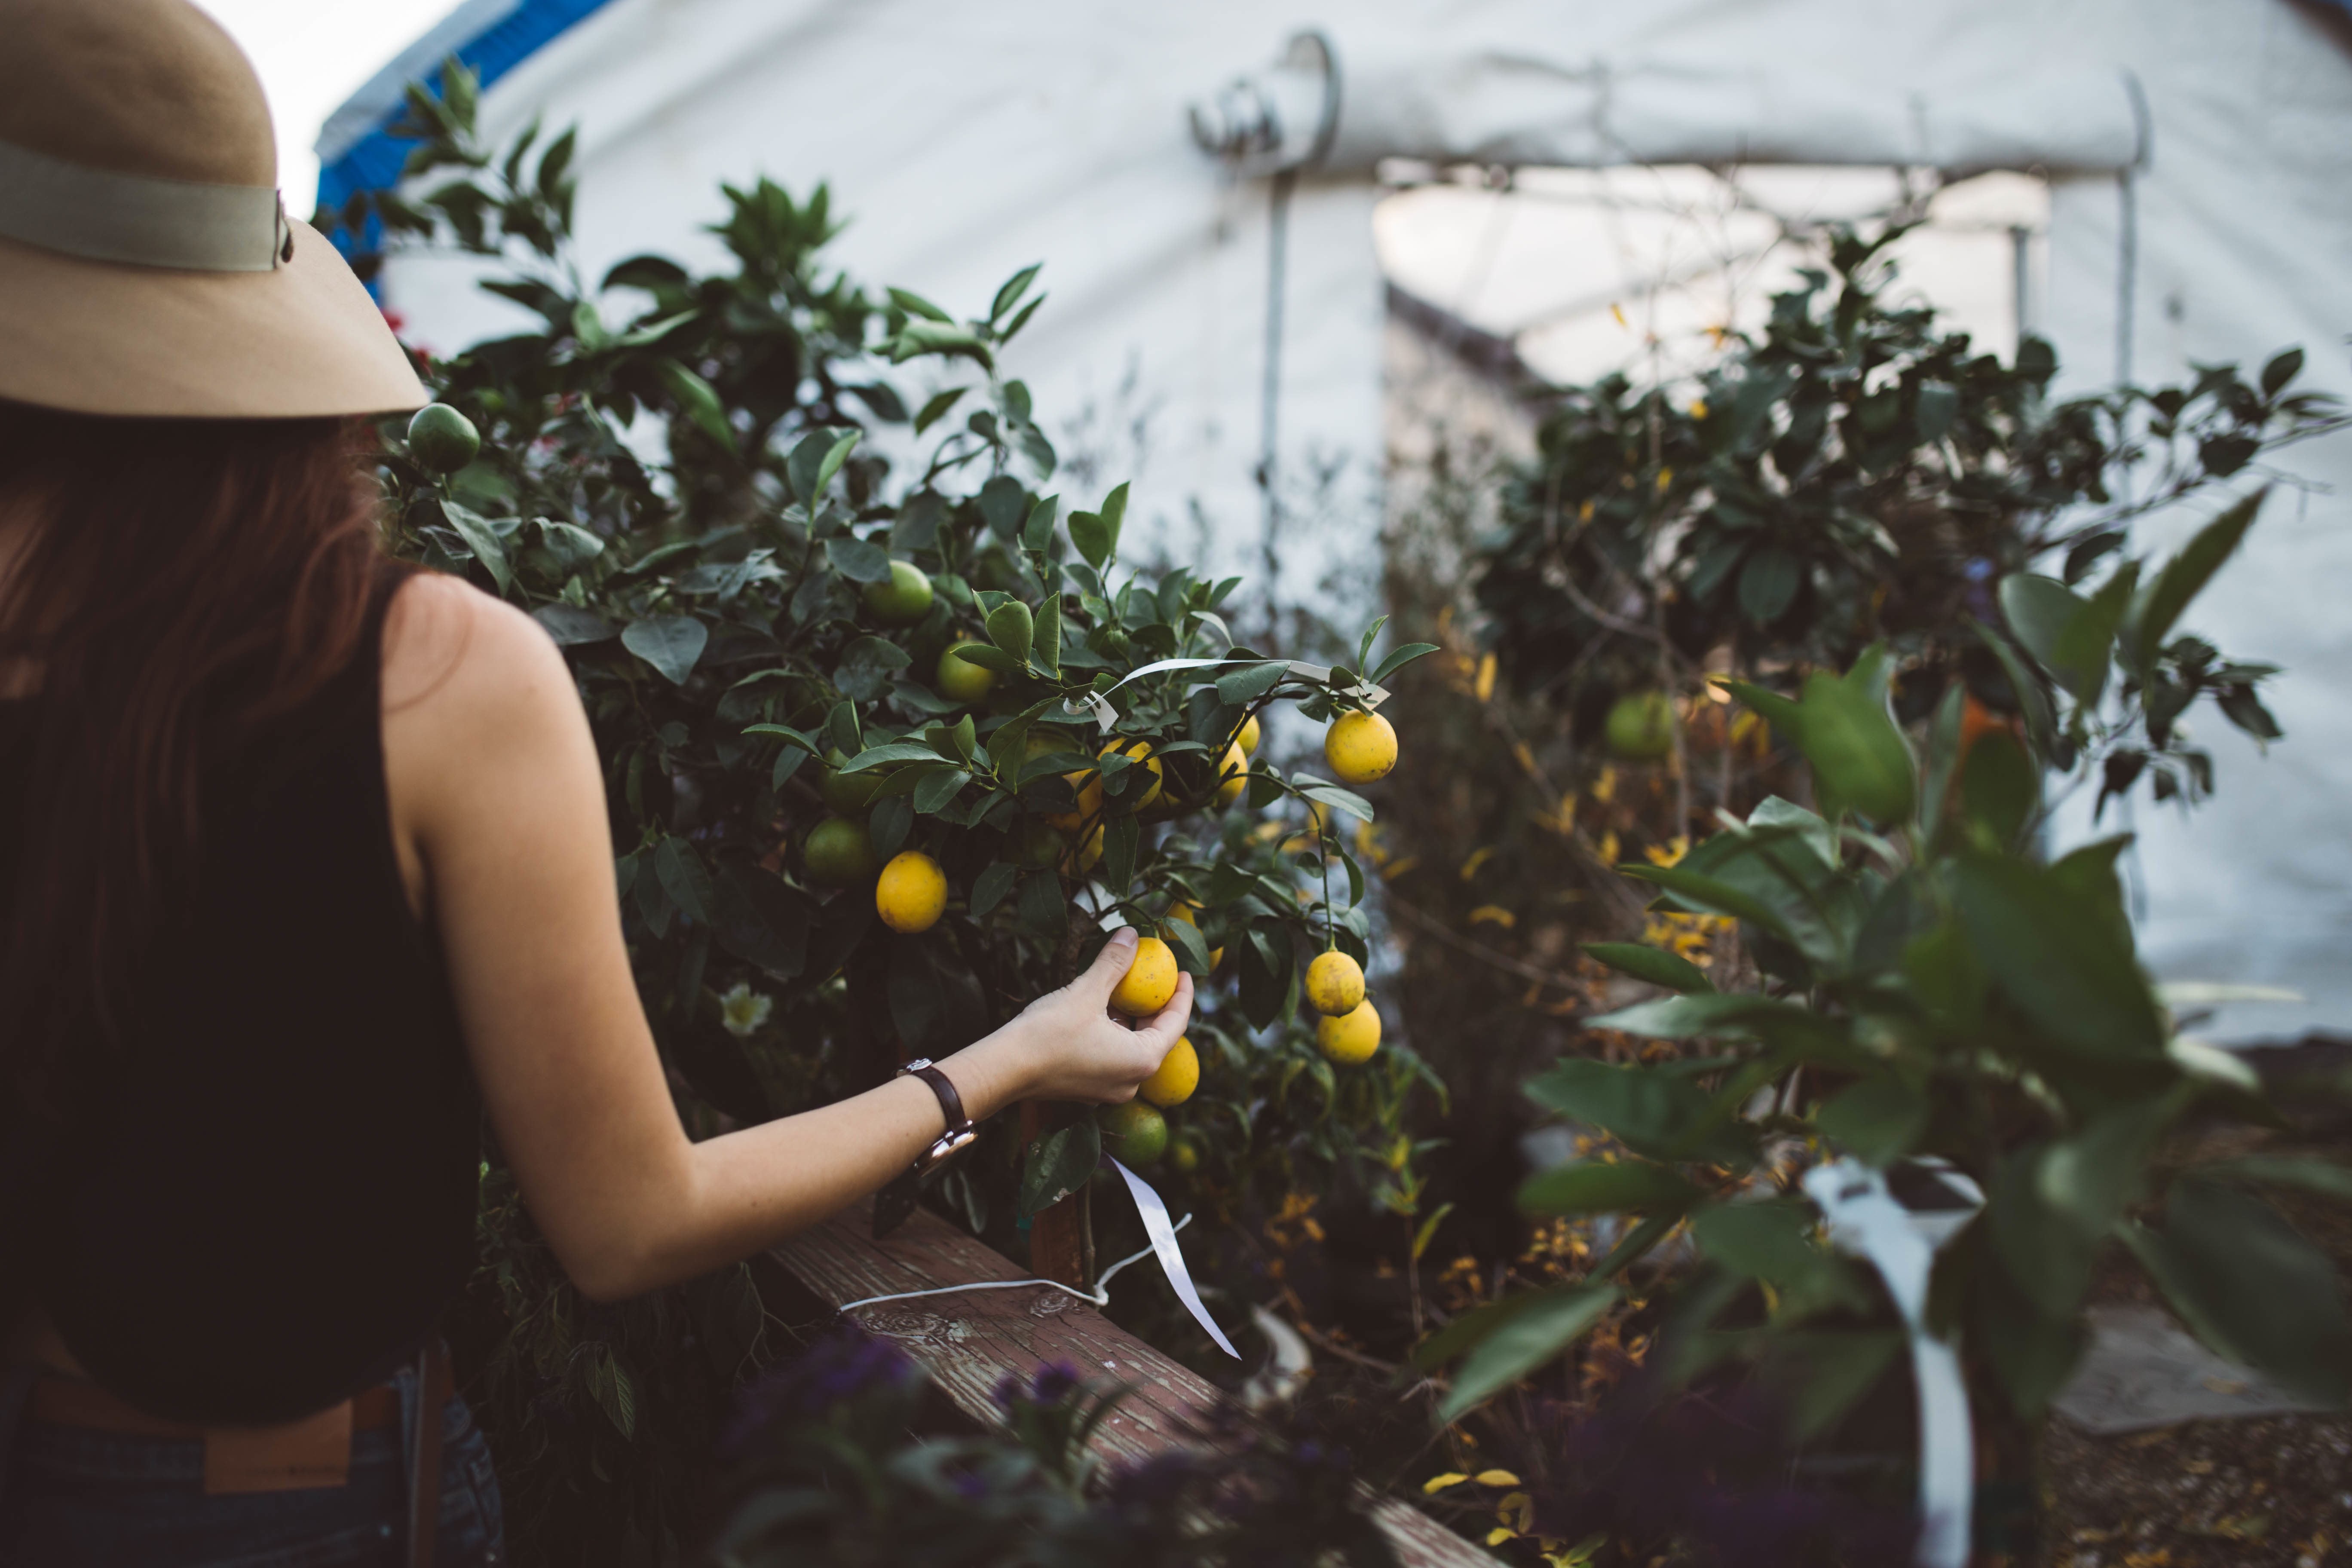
917, 1065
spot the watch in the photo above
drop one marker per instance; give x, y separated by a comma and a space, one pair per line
960, 1133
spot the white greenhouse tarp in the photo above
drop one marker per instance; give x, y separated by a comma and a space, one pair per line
2196, 149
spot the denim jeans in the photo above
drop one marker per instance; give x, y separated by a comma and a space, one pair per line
72, 1495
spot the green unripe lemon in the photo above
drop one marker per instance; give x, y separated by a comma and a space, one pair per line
1134, 1134
903, 598
1642, 726
839, 852
443, 440
961, 679
847, 793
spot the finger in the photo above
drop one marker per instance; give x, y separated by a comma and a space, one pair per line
1110, 965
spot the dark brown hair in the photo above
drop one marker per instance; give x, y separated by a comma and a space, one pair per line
185, 582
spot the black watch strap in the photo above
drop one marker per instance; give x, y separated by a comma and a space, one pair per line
959, 1131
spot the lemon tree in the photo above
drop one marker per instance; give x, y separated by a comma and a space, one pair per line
880, 766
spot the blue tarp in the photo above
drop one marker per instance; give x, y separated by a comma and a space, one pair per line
357, 151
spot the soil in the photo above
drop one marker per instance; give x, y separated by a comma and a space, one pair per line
2266, 1492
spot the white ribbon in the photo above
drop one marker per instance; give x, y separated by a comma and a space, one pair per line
1865, 1219
1163, 1246
1099, 703
1172, 1260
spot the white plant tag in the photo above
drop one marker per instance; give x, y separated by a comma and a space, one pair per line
1171, 1257
1864, 1218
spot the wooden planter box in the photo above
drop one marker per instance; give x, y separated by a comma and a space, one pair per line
968, 1341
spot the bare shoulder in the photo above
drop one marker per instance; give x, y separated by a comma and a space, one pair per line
476, 700
453, 652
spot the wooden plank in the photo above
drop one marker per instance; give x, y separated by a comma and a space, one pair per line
969, 1341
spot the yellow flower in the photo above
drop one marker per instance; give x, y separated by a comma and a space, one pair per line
1485, 686
1698, 409
1608, 851
1494, 914
1477, 857
1667, 854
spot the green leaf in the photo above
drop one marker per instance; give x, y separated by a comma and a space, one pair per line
1848, 734
858, 560
1058, 1165
2160, 602
698, 400
1012, 628
2251, 1286
1038, 532
1878, 1120
570, 626
1240, 687
2038, 609
1531, 1338
2060, 957
834, 456
938, 407
1653, 964
2000, 787
482, 539
914, 304
1114, 514
1046, 648
671, 644
1399, 658
1650, 1111
1597, 1186
1014, 287
2324, 1177
683, 877
990, 888
939, 788
1092, 537
1710, 896
1332, 795
1044, 912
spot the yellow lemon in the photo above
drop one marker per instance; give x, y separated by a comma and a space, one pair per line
1361, 747
1234, 771
965, 681
1149, 980
1247, 739
1178, 1075
1335, 984
1184, 1153
1077, 860
1351, 1039
1141, 753
911, 893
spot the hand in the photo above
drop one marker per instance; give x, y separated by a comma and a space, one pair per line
1078, 1049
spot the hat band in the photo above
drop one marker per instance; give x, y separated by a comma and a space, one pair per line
103, 215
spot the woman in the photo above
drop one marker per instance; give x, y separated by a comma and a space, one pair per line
297, 849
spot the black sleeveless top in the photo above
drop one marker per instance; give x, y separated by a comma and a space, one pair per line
269, 1205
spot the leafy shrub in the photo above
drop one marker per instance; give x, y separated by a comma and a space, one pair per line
1929, 996
720, 604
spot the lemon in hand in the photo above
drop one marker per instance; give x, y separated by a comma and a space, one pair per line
1335, 984
1175, 1078
1361, 747
1149, 980
1352, 1037
912, 892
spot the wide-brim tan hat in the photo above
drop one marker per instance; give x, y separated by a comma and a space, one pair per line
147, 265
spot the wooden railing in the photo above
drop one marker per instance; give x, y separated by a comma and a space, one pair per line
969, 1341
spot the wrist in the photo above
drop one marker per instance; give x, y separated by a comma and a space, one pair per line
994, 1071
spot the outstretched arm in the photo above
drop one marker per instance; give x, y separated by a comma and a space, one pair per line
498, 815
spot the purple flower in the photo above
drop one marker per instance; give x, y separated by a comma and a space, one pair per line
833, 1370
